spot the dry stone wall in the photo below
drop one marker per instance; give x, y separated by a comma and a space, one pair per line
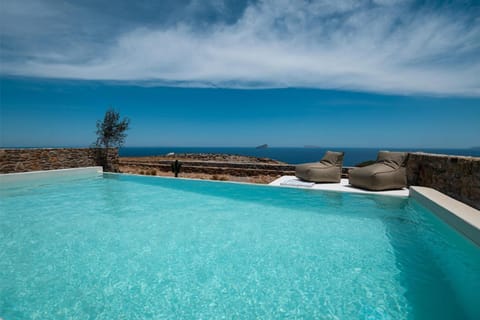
24, 160
210, 167
456, 176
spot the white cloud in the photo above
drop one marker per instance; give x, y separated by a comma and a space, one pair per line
381, 47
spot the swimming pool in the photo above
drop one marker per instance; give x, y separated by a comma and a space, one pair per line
128, 247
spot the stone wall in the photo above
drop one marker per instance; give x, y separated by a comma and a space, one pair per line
214, 167
23, 160
456, 176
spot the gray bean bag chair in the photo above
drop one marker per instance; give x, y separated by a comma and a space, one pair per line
387, 173
329, 169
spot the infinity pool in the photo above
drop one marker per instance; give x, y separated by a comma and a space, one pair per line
129, 247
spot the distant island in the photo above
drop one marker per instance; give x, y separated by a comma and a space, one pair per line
311, 146
263, 146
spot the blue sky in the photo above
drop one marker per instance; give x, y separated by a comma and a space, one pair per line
379, 73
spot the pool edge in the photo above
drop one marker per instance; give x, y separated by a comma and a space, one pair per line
35, 175
461, 217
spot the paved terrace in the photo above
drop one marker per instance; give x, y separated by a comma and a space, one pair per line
343, 186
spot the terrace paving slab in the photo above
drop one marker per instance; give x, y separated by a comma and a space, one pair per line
343, 186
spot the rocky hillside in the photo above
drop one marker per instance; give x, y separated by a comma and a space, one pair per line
214, 157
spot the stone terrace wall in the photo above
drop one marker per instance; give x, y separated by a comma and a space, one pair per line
456, 176
215, 167
23, 160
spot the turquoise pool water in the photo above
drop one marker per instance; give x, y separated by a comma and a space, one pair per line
126, 247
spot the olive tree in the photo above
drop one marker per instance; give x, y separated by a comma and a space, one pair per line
111, 132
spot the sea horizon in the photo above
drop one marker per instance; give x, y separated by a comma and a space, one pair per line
291, 155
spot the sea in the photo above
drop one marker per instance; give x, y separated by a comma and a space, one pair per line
353, 156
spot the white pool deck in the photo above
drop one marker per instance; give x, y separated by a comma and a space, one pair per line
343, 186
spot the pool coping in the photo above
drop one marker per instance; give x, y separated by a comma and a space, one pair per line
348, 189
461, 217
56, 173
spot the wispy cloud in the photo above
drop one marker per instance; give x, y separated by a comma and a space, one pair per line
378, 46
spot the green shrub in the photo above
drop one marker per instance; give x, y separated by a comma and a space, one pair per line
176, 166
